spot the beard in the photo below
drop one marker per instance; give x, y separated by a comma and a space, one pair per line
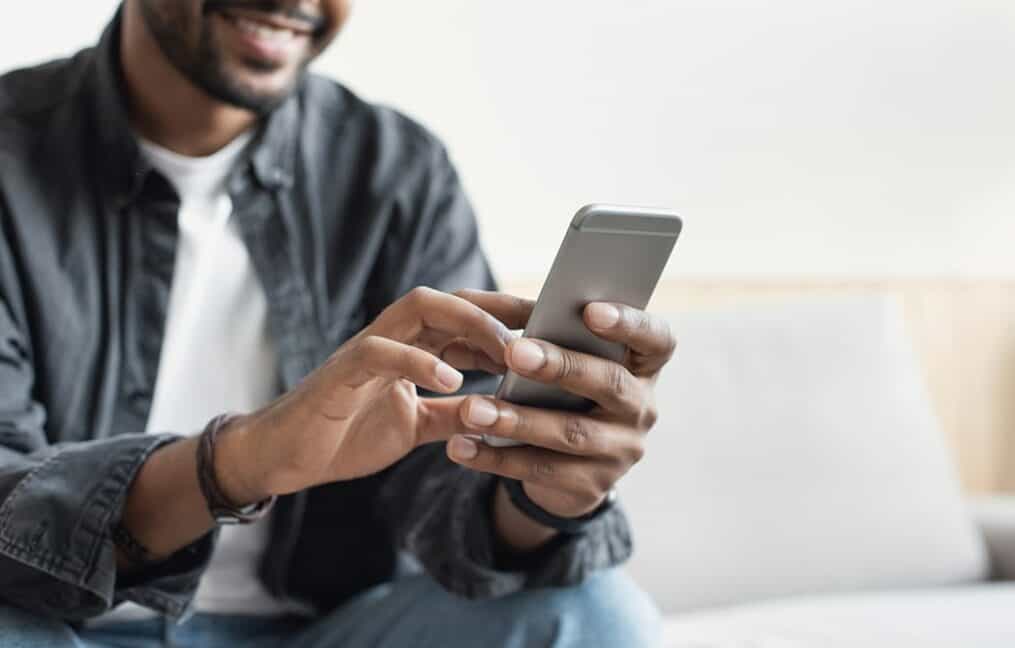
205, 63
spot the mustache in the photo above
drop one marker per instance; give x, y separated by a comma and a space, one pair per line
316, 22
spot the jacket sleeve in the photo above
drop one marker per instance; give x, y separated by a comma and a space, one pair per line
58, 501
441, 512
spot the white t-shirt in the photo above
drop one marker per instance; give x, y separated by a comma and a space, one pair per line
217, 356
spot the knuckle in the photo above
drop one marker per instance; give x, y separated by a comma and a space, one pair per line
519, 425
541, 470
369, 345
567, 365
576, 433
419, 295
617, 381
649, 417
637, 452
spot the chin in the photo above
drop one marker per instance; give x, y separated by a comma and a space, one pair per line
267, 90
258, 91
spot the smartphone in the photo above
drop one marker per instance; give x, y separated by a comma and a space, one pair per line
610, 253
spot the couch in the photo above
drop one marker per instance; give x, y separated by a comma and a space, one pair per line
798, 490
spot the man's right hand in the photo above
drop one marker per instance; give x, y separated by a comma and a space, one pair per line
359, 412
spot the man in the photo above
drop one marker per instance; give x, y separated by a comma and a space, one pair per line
192, 226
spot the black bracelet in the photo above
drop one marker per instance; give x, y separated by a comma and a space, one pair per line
516, 492
136, 553
221, 509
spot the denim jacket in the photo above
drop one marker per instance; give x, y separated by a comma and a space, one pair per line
344, 207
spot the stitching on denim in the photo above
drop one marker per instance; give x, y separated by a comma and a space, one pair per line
122, 472
8, 507
22, 554
154, 598
43, 559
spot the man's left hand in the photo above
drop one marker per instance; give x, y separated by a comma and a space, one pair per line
571, 460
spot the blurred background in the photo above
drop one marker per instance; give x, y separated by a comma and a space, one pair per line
826, 139
840, 416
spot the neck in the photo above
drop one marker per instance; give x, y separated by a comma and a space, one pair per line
165, 107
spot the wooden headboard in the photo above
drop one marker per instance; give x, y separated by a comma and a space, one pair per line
964, 335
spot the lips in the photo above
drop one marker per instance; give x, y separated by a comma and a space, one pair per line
268, 24
270, 38
263, 30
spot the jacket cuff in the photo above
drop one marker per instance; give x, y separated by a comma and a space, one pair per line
168, 587
458, 546
55, 531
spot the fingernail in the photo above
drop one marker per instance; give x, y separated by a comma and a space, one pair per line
463, 448
482, 412
603, 316
448, 375
527, 355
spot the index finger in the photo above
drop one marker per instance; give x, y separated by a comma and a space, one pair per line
425, 310
513, 311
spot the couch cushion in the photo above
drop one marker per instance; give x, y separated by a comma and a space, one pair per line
978, 616
796, 452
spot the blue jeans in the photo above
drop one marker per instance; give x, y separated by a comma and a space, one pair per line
607, 610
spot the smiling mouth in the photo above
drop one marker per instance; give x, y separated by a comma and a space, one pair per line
268, 26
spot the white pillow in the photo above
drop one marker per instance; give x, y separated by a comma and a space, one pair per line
796, 452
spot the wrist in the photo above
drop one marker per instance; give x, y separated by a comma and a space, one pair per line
568, 523
235, 467
557, 504
515, 529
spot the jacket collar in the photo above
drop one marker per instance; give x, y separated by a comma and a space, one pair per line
272, 158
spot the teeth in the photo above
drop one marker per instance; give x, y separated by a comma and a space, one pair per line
262, 30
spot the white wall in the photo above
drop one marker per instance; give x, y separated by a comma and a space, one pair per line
795, 136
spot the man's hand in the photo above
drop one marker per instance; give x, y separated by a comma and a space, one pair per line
355, 415
359, 412
572, 460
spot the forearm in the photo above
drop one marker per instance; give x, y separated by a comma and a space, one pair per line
165, 508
